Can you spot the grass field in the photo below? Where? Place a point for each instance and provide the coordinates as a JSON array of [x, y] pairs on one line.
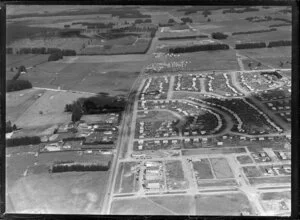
[[270, 180], [221, 168], [66, 193], [175, 176], [275, 195], [111, 77], [168, 205], [213, 151], [203, 169], [252, 171], [217, 183], [28, 60], [225, 204], [244, 159], [126, 182], [51, 104], [18, 102]]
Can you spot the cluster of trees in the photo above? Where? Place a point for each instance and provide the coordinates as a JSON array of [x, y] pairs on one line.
[[283, 19], [234, 10], [16, 85], [98, 142], [206, 13], [42, 50], [140, 21], [259, 19], [219, 35], [58, 168], [254, 32], [171, 20], [186, 20], [166, 25], [182, 37], [23, 141], [9, 127], [95, 25], [55, 56], [279, 25], [73, 139], [280, 43], [250, 45], [196, 48]]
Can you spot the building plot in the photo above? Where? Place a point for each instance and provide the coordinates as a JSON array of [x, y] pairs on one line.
[[127, 178], [175, 176], [224, 204], [221, 168], [188, 82], [247, 118], [261, 81], [221, 84], [142, 145], [202, 169], [276, 203], [156, 129], [155, 88], [194, 118]]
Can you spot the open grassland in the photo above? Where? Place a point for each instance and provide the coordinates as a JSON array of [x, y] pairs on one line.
[[270, 180], [217, 183], [225, 204], [275, 195], [48, 110], [201, 151], [27, 60], [19, 101], [111, 77], [164, 205], [221, 168], [64, 193]]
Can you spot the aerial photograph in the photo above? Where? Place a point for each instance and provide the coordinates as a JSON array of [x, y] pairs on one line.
[[148, 110]]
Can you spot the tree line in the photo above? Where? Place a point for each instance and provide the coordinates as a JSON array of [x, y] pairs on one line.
[[58, 168], [254, 32], [195, 48], [23, 141], [182, 37], [251, 45], [41, 50]]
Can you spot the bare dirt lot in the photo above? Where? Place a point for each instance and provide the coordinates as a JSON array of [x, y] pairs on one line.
[[227, 204]]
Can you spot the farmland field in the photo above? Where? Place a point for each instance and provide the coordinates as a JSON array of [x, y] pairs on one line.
[[275, 195], [46, 111], [89, 77], [203, 169], [178, 205], [221, 168], [28, 60], [225, 204]]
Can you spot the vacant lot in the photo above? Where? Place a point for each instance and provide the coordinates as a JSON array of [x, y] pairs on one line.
[[175, 176], [276, 195], [126, 179], [225, 204], [157, 115], [221, 168], [203, 169], [217, 183], [213, 151], [168, 205], [244, 159], [270, 180], [252, 171]]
